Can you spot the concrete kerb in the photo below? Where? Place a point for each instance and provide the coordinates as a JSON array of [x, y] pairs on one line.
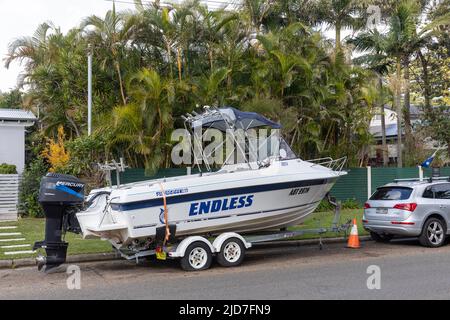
[[29, 262]]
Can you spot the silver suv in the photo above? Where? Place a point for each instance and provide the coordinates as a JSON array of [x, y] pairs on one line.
[[410, 208]]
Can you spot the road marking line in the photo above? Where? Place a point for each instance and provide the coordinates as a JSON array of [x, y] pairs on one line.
[[19, 252], [12, 240], [8, 228], [10, 234], [16, 246]]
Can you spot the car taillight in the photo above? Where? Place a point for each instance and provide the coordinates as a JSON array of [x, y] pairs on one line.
[[366, 205], [406, 206]]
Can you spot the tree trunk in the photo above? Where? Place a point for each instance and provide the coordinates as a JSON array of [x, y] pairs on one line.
[[408, 129], [77, 132], [383, 124], [179, 64], [398, 109], [169, 57], [338, 37], [211, 64], [426, 82], [122, 91]]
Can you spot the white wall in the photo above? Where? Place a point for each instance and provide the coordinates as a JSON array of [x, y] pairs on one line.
[[389, 116], [12, 145]]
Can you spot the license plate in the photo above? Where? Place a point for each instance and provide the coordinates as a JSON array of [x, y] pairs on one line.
[[382, 211]]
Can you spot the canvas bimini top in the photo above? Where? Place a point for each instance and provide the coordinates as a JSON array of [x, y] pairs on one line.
[[231, 118]]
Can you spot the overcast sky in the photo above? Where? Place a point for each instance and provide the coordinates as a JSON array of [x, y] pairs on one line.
[[21, 17]]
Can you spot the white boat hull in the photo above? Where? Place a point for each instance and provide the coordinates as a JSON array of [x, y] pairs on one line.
[[254, 200]]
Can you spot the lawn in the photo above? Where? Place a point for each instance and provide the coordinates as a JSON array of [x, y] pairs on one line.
[[33, 230], [325, 220]]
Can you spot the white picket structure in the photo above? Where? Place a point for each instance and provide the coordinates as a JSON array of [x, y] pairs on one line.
[[9, 196]]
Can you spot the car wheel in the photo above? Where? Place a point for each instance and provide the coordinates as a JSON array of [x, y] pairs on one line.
[[433, 233], [232, 253], [197, 257], [380, 237]]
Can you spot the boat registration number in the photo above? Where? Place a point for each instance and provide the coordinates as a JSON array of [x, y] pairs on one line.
[[299, 191]]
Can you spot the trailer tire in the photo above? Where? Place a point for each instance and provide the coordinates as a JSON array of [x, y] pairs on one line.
[[232, 253], [198, 256]]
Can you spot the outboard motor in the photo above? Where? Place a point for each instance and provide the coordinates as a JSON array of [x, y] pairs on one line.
[[60, 196]]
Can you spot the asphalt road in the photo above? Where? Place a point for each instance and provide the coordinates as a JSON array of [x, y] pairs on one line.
[[408, 271]]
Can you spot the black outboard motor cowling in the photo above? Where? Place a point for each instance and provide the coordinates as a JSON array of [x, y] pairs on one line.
[[60, 196]]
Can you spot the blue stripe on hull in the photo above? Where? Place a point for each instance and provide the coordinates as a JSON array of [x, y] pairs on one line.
[[219, 194], [233, 215]]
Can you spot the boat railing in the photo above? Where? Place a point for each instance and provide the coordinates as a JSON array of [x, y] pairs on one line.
[[330, 163]]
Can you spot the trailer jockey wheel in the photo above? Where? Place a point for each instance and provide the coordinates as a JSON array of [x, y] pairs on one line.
[[232, 253], [197, 257]]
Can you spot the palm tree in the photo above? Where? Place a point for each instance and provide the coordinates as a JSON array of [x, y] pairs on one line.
[[143, 124], [423, 37], [156, 27], [214, 30], [398, 44], [287, 64], [113, 33], [155, 96], [55, 75], [208, 87], [255, 12], [378, 61], [340, 14], [33, 51]]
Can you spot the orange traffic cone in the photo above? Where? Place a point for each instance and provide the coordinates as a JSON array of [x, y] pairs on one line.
[[353, 240]]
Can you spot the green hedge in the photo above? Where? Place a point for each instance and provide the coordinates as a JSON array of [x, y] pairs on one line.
[[29, 189], [7, 169]]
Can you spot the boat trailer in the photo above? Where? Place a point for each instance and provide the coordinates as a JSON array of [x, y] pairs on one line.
[[218, 245]]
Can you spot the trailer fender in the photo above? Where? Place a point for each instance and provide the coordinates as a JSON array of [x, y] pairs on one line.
[[181, 248], [218, 242]]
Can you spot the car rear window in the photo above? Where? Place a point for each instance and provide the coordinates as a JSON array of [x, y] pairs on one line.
[[392, 193]]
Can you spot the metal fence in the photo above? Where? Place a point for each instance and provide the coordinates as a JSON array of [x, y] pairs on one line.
[[9, 196], [357, 185]]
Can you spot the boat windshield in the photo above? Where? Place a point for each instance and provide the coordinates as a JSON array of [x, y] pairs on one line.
[[255, 140], [269, 147], [290, 154]]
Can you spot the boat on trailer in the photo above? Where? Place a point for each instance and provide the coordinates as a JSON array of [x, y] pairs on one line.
[[269, 192]]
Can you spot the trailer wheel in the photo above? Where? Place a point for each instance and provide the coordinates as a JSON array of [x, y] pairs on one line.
[[232, 253], [198, 257]]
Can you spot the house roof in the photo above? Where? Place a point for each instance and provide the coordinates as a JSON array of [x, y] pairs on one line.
[[16, 115], [391, 130]]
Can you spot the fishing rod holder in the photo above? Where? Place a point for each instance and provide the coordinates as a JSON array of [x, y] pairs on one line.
[[118, 167]]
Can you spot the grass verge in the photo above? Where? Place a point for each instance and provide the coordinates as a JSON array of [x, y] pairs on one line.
[[33, 230]]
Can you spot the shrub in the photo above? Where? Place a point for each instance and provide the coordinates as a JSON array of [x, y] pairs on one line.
[[55, 152], [85, 153], [7, 169], [351, 204], [324, 206], [29, 189], [346, 204]]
